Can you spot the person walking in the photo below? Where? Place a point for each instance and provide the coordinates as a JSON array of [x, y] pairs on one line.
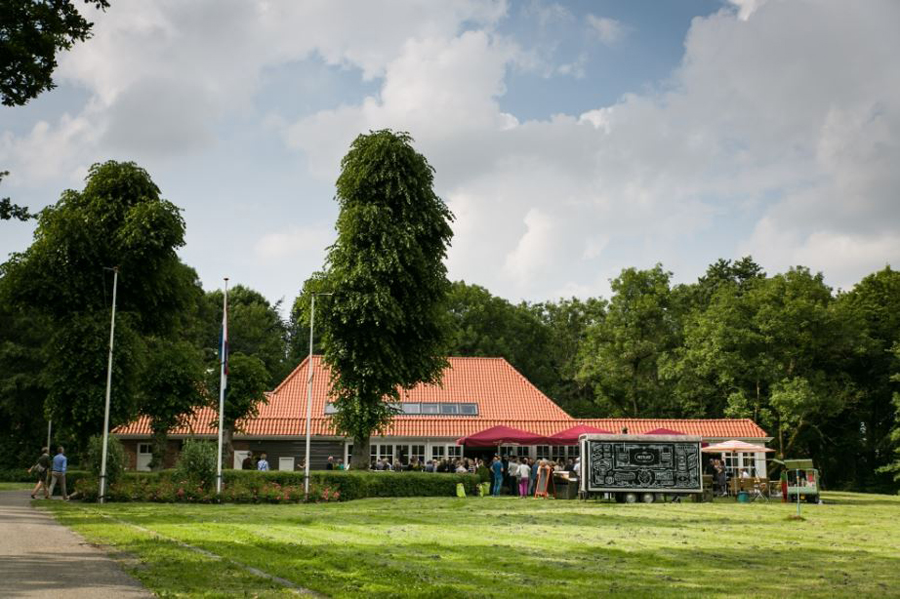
[[497, 472], [524, 478], [247, 464], [58, 473], [42, 469], [263, 464]]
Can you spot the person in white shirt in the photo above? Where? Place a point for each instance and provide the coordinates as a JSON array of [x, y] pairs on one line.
[[524, 478], [262, 464]]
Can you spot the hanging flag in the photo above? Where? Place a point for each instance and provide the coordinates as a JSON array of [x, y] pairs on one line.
[[223, 342]]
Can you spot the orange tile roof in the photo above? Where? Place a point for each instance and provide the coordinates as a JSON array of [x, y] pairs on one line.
[[503, 395]]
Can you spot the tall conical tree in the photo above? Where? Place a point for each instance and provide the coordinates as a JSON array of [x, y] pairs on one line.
[[386, 325]]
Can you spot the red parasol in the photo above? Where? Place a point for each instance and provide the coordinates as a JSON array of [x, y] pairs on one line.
[[570, 435], [502, 435]]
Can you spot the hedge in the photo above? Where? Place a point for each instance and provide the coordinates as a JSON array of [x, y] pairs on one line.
[[358, 485], [241, 486]]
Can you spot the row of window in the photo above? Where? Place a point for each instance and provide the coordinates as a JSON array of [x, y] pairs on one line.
[[426, 409], [405, 452]]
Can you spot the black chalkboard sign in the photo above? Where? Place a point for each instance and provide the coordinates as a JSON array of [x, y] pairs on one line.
[[654, 463]]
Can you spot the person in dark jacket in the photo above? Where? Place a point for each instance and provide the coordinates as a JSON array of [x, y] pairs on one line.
[[248, 464], [41, 469]]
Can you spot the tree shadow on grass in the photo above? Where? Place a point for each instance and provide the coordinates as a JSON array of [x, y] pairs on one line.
[[502, 570]]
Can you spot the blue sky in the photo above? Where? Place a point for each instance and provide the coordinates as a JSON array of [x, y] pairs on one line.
[[570, 139]]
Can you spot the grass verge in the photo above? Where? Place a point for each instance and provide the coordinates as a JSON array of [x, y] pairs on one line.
[[16, 486], [501, 547]]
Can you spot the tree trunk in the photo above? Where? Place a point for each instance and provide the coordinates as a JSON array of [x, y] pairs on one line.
[[160, 445], [227, 448], [756, 407], [360, 460]]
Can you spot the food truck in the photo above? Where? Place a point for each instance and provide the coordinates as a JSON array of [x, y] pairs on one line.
[[647, 468], [799, 480]]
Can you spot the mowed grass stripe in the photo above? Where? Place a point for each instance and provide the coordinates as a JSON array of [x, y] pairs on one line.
[[509, 547]]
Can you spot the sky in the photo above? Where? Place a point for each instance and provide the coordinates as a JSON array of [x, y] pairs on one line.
[[570, 140]]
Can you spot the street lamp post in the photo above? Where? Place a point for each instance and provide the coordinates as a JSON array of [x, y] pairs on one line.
[[112, 330], [309, 381]]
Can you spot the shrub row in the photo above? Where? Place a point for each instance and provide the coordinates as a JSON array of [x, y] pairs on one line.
[[166, 489], [240, 486], [358, 485]]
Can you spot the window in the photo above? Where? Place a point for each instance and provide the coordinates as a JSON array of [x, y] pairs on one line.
[[543, 452], [454, 451], [145, 448], [330, 409], [386, 452], [349, 453], [449, 408], [411, 408], [417, 452], [558, 452], [437, 452], [470, 409], [431, 408]]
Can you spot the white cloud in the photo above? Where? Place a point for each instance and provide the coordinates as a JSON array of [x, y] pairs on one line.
[[789, 117], [609, 31], [780, 126], [294, 242]]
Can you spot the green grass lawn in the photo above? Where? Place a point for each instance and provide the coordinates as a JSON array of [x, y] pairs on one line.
[[16, 486], [507, 547]]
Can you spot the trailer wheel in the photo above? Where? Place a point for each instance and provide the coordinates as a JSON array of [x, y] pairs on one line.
[[630, 498], [648, 497]]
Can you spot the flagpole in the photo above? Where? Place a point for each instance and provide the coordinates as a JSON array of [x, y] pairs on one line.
[[223, 358], [112, 329], [309, 382]]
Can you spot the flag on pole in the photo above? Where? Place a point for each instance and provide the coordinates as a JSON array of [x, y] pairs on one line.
[[223, 382], [223, 344]]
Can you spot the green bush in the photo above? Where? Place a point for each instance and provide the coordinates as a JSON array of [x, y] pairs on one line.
[[115, 457], [358, 485], [197, 463], [251, 486]]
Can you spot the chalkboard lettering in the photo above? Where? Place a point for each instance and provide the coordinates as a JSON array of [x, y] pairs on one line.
[[640, 463]]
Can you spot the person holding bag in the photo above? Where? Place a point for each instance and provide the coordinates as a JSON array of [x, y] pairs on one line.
[[42, 469]]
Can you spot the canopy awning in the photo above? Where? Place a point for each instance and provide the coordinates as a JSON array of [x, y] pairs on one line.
[[502, 435], [735, 446], [570, 435], [663, 431]]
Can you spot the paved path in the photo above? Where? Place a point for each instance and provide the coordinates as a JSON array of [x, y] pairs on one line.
[[42, 558]]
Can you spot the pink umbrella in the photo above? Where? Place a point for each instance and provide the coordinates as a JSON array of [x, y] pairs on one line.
[[570, 435], [502, 435]]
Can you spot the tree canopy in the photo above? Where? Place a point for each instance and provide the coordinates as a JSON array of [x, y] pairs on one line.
[[33, 32], [118, 220], [386, 324]]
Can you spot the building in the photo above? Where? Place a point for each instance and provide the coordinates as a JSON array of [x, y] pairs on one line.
[[475, 394]]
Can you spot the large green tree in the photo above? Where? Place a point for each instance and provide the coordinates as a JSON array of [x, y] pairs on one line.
[[483, 324], [248, 381], [620, 357], [118, 220], [568, 322], [386, 324], [32, 32], [255, 328], [871, 311], [171, 388]]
